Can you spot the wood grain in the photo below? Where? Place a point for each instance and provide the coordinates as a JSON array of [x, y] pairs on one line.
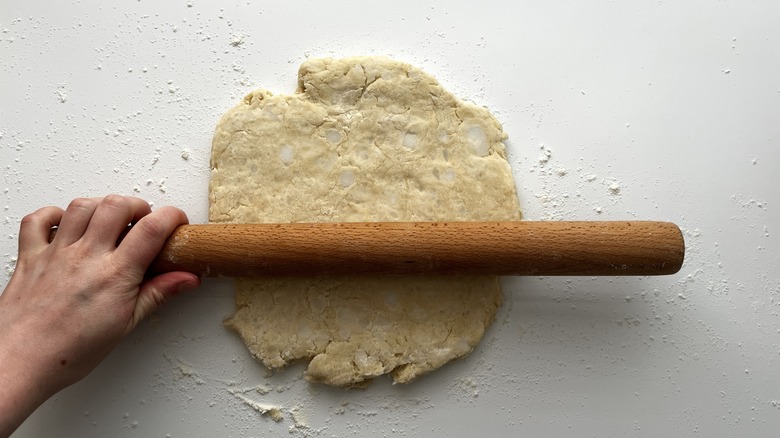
[[496, 248]]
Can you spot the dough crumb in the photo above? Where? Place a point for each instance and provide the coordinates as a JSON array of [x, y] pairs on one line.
[[262, 389]]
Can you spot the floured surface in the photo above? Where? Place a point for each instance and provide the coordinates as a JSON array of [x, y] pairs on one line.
[[705, 364], [363, 139]]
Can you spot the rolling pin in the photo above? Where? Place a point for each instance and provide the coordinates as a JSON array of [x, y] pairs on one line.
[[495, 248]]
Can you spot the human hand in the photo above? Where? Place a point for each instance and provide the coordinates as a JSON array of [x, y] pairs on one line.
[[69, 302]]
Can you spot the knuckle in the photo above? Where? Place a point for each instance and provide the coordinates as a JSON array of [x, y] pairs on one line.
[[114, 270], [41, 215], [30, 219], [82, 254], [175, 214], [153, 227], [115, 201], [81, 204]]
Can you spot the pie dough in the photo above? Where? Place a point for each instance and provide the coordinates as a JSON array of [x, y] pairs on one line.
[[362, 139]]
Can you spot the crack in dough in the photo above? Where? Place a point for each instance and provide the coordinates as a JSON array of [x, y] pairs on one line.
[[362, 139]]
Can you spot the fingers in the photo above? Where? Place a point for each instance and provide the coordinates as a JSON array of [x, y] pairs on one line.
[[158, 290], [147, 237], [35, 228], [75, 221], [111, 218]]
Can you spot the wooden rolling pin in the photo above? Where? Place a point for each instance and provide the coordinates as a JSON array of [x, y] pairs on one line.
[[496, 248]]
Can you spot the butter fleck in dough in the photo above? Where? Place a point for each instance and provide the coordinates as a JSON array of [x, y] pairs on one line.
[[362, 139]]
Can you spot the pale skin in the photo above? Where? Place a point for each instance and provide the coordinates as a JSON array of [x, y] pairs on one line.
[[71, 301]]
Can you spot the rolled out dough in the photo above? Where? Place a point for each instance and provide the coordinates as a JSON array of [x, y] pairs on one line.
[[362, 139]]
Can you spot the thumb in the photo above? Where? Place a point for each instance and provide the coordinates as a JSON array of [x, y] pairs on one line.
[[159, 289]]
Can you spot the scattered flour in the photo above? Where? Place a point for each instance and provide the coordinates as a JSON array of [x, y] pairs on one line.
[[747, 202], [172, 89], [236, 40], [61, 93], [465, 387], [273, 412], [544, 158], [299, 421], [10, 266]]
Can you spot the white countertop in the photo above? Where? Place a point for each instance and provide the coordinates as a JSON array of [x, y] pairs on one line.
[[615, 110]]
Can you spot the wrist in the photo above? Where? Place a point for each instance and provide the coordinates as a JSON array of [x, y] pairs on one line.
[[26, 381]]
